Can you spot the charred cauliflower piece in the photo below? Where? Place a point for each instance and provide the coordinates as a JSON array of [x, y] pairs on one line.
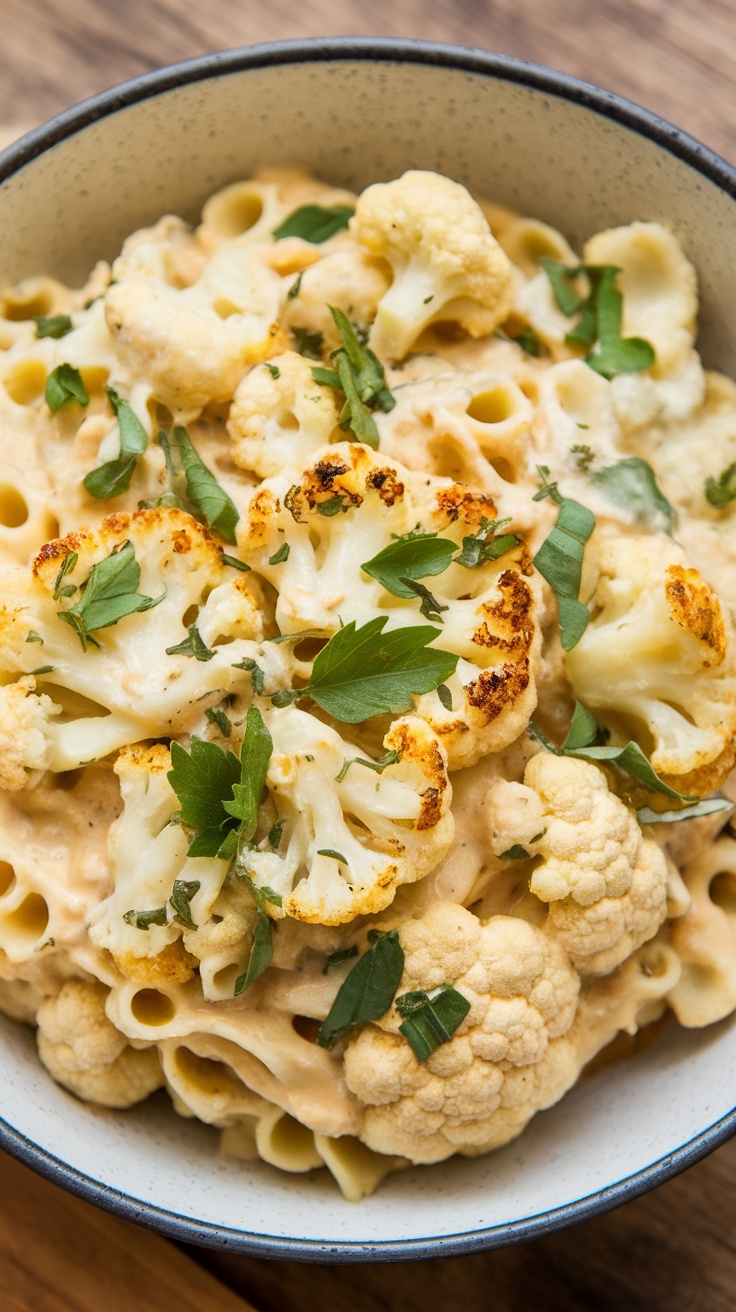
[[605, 883], [138, 690], [446, 262], [658, 654], [348, 843], [310, 539], [82, 1050], [509, 1058]]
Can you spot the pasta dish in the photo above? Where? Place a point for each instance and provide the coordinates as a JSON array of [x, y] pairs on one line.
[[367, 668]]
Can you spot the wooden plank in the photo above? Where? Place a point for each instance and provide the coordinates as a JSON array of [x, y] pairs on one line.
[[59, 1254]]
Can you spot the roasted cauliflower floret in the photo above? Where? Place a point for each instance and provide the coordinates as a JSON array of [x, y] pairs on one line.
[[24, 727], [311, 538], [280, 416], [192, 346], [658, 655], [445, 261], [82, 1049], [348, 843], [137, 689], [509, 1057], [606, 884]]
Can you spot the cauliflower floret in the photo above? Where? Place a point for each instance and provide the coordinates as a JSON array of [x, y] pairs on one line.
[[509, 1057], [192, 346], [82, 1050], [346, 508], [659, 654], [606, 884], [24, 726], [446, 262], [276, 422], [391, 828], [349, 279], [139, 690]]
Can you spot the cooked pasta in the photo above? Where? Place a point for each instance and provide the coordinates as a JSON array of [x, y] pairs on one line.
[[367, 668]]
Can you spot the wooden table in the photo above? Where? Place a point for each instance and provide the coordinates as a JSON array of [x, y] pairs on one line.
[[674, 1249]]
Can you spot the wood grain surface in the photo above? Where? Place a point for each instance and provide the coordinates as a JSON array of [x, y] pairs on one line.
[[673, 1249]]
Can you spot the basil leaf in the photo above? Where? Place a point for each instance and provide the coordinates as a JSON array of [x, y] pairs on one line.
[[64, 384], [191, 646], [144, 919], [181, 896], [216, 715], [217, 509], [646, 816], [368, 991], [53, 325], [722, 493], [431, 1019], [415, 558], [255, 754], [260, 954], [559, 560], [632, 484], [364, 672], [337, 958], [109, 594], [389, 758], [315, 223], [486, 544], [310, 345], [281, 555]]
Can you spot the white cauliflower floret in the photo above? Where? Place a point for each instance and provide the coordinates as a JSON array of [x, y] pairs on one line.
[[487, 614], [445, 260], [280, 416], [508, 1059], [192, 346], [138, 690], [84, 1051], [659, 654], [24, 725], [606, 884], [391, 828]]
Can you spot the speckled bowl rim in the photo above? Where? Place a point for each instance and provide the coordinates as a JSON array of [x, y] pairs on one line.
[[669, 138]]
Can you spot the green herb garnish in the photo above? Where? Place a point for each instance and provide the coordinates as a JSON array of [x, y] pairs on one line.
[[308, 344], [528, 341], [632, 484], [234, 563], [368, 991], [515, 853], [560, 558], [109, 594], [409, 558], [431, 1018], [273, 369], [709, 806], [144, 919], [32, 636], [216, 508], [389, 758], [275, 834], [584, 456], [281, 555], [722, 493], [216, 715], [257, 675], [262, 948], [359, 373], [192, 646], [486, 544], [53, 325], [601, 313], [181, 896], [364, 672], [315, 223], [64, 384], [113, 478]]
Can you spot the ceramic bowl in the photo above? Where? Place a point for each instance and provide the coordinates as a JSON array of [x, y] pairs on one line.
[[356, 112]]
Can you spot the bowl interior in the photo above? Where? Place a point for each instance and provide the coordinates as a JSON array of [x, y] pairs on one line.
[[581, 162]]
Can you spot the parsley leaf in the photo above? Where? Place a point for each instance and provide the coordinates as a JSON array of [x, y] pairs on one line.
[[431, 1018], [528, 341], [32, 636], [234, 563], [368, 991], [315, 223], [308, 344], [109, 594], [601, 314], [181, 896], [486, 544], [359, 373], [632, 484], [257, 674], [53, 325], [62, 589], [64, 384], [412, 558], [203, 780], [217, 509], [255, 755], [261, 953], [281, 555], [191, 646], [274, 835], [723, 492], [216, 715], [430, 608], [560, 558], [364, 672], [112, 478], [273, 369], [333, 506]]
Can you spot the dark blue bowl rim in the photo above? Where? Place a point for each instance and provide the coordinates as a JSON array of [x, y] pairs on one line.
[[709, 165]]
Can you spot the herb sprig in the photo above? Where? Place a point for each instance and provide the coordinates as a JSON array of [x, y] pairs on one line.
[[601, 314], [359, 374], [430, 1019], [108, 595], [64, 384]]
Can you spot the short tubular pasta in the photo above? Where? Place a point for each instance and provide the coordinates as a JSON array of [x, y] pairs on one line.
[[306, 814]]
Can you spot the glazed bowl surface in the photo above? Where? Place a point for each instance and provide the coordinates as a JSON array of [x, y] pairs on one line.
[[533, 140]]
